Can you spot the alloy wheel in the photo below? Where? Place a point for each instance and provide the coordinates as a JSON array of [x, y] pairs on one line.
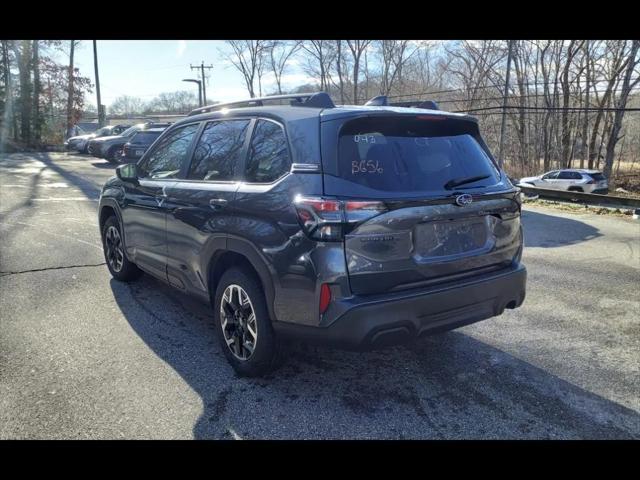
[[239, 325], [115, 254]]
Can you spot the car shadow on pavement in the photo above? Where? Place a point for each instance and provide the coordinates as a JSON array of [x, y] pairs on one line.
[[89, 188], [549, 231], [446, 386]]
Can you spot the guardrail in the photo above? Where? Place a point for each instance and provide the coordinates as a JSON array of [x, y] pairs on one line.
[[588, 198]]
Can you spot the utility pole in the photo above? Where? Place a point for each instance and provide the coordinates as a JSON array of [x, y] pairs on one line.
[[70, 92], [202, 66], [504, 103], [101, 118]]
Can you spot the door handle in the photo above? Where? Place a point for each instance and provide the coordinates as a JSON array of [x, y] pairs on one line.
[[217, 203]]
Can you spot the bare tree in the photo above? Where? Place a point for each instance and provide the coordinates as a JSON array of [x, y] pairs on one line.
[[393, 55], [320, 56], [127, 105], [248, 57], [280, 53], [629, 67], [357, 48]]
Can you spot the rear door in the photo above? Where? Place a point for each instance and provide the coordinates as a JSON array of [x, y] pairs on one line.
[[565, 180], [446, 214]]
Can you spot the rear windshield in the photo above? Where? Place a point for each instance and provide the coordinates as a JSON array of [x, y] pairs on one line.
[[597, 176], [415, 154], [145, 137]]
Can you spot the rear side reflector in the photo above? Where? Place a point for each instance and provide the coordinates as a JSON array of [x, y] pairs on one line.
[[325, 297]]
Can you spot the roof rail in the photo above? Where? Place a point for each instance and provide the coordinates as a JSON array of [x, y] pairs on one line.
[[314, 100], [383, 100]]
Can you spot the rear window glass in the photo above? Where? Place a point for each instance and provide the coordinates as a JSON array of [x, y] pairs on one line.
[[597, 176], [412, 155], [145, 137]]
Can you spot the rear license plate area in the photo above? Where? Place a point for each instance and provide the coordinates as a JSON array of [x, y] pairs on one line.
[[451, 239]]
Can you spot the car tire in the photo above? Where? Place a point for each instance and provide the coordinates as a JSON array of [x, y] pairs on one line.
[[114, 254], [238, 297], [112, 154]]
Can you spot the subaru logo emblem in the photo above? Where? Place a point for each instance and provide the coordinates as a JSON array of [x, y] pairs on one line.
[[463, 200]]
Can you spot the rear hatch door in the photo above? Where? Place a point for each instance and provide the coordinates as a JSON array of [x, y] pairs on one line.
[[448, 214]]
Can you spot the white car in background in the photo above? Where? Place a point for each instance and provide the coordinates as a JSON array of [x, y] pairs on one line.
[[571, 180]]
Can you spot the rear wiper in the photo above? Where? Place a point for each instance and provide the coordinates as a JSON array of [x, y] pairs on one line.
[[456, 182]]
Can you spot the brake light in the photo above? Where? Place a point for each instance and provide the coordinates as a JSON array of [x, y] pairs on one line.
[[328, 219], [430, 117], [325, 297], [591, 182]]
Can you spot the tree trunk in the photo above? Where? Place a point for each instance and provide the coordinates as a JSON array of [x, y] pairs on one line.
[[339, 70], [585, 125], [37, 120], [8, 120], [621, 105], [23, 58], [70, 91]]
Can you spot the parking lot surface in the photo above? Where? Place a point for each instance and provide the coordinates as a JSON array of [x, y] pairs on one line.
[[83, 356]]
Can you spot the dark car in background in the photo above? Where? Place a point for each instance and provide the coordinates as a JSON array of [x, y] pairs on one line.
[[135, 148], [359, 226], [110, 148]]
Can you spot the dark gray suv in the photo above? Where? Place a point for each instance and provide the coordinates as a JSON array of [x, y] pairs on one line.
[[358, 226]]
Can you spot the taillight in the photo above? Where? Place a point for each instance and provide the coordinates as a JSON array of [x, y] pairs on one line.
[[325, 297], [329, 219], [431, 117], [591, 181]]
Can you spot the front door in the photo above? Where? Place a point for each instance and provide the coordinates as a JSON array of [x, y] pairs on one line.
[[144, 213]]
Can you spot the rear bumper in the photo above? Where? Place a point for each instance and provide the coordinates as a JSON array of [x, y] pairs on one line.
[[398, 318]]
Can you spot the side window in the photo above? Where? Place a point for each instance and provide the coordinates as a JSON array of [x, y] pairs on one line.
[[576, 176], [550, 176], [167, 158], [565, 176], [218, 150], [268, 153]]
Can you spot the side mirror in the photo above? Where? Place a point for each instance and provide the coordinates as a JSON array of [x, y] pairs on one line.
[[128, 173]]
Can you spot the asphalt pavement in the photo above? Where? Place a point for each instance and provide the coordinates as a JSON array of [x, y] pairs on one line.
[[84, 356]]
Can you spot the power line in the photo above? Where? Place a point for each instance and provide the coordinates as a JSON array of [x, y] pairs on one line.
[[486, 87], [532, 95], [559, 109]]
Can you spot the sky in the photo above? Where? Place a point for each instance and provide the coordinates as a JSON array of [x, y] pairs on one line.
[[146, 68]]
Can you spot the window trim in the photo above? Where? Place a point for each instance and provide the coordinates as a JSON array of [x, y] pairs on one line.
[[243, 170], [156, 144]]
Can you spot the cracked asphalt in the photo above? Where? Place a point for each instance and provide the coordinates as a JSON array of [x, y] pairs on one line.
[[83, 356]]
